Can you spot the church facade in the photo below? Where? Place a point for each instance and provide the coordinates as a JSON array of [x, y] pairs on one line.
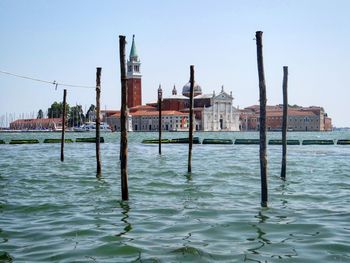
[[212, 112], [221, 115]]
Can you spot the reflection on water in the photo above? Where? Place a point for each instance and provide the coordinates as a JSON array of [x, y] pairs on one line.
[[261, 249], [5, 257], [261, 240], [283, 189], [124, 205]]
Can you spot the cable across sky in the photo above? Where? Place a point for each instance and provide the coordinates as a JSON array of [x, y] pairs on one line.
[[46, 81]]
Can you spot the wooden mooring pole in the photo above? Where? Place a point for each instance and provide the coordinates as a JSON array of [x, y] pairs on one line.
[[63, 123], [190, 134], [284, 122], [123, 119], [262, 89], [160, 95], [98, 93]]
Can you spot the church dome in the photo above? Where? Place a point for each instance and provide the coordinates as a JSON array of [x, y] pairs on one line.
[[197, 90]]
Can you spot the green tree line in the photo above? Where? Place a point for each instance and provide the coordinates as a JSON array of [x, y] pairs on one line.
[[75, 114]]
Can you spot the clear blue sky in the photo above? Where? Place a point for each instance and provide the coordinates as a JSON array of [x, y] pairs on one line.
[[66, 40]]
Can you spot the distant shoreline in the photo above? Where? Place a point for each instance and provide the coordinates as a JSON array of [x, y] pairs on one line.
[[71, 131]]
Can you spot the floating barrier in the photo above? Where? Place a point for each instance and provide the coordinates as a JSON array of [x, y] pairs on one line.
[[178, 140], [217, 141], [155, 141], [247, 141], [279, 142], [318, 142], [57, 140], [93, 139], [343, 142], [185, 140], [23, 141], [196, 140]]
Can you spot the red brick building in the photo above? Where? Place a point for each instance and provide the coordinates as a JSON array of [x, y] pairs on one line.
[[37, 124], [175, 102], [328, 124], [134, 77], [299, 118]]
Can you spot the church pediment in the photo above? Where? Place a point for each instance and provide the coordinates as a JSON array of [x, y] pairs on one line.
[[223, 96]]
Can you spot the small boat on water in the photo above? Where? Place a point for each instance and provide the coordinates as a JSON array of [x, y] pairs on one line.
[[91, 126]]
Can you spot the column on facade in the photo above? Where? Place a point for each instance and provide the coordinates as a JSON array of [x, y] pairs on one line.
[[217, 116], [231, 117], [213, 117], [227, 116]]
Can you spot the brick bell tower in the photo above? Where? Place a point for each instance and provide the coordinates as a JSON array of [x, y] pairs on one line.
[[134, 77]]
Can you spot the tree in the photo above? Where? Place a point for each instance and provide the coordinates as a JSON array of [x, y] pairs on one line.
[[56, 110], [76, 116], [91, 113], [40, 114]]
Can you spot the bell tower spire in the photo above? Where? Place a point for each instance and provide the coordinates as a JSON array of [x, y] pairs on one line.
[[133, 53], [134, 77], [174, 92]]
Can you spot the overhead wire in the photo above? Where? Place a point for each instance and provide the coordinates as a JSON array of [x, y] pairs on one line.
[[55, 83]]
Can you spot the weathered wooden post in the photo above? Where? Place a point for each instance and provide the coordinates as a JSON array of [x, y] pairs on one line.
[[190, 134], [160, 94], [284, 122], [123, 119], [63, 123], [98, 93], [262, 88]]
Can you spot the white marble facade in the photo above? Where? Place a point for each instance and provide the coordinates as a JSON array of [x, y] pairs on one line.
[[221, 115]]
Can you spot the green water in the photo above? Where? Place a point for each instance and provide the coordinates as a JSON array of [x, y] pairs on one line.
[[59, 212]]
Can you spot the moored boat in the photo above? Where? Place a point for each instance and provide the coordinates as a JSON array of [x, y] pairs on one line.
[[91, 126]]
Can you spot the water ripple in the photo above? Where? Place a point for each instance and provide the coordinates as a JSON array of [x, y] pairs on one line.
[[59, 212]]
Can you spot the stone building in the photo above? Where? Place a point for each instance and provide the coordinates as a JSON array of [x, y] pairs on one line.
[[220, 115], [149, 121], [114, 122], [299, 118], [212, 112]]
